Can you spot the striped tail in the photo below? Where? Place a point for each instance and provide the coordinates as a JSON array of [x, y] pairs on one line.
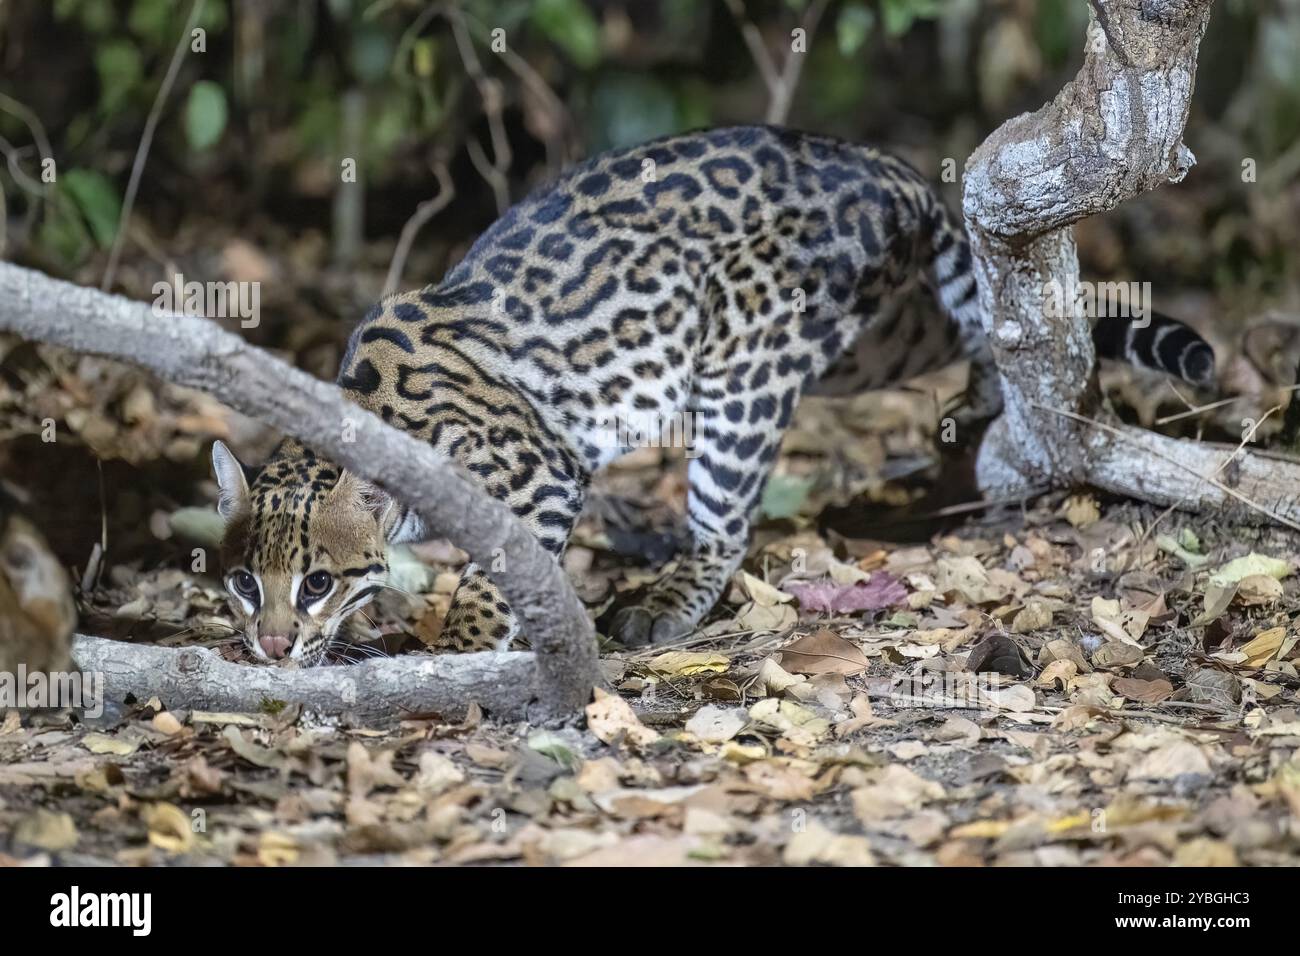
[[1160, 343]]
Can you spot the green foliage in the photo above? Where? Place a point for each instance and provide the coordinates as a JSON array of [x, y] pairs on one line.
[[853, 26], [205, 114], [683, 65], [570, 26], [97, 200], [899, 15], [120, 71]]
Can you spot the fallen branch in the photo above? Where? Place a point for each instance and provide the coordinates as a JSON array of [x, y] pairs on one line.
[[199, 354], [502, 683], [1114, 132], [1262, 488]]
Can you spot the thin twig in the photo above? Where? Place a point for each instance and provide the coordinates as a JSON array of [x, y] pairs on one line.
[[33, 123], [1194, 410], [557, 147], [423, 213], [781, 83], [146, 140], [489, 90]]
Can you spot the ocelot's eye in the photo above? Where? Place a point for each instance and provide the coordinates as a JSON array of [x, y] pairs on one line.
[[316, 584], [245, 585]]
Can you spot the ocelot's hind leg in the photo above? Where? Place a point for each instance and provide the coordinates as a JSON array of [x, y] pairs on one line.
[[727, 475]]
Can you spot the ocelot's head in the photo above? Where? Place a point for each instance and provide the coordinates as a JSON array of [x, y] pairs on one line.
[[303, 548]]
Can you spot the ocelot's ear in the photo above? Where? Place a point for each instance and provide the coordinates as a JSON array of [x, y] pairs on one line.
[[374, 499], [231, 480]]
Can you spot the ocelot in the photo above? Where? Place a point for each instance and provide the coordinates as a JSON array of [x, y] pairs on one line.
[[719, 275]]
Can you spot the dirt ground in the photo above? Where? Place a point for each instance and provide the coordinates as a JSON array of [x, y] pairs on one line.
[[893, 679]]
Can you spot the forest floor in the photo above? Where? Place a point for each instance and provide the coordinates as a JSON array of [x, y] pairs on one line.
[[1065, 682], [896, 677]]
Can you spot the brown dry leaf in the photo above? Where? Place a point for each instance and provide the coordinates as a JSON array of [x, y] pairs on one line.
[[1143, 691], [366, 769], [762, 593], [637, 804], [277, 849], [1032, 617], [645, 849], [436, 774], [860, 707], [823, 652], [486, 756], [774, 617], [104, 744], [816, 844], [1056, 671], [1209, 685], [612, 719], [966, 578], [1018, 698], [896, 792], [960, 729], [1287, 782], [253, 753], [1116, 654], [717, 725], [1204, 851], [1258, 589], [782, 778], [1064, 649], [773, 679], [1171, 760], [1076, 717], [166, 722], [46, 830], [999, 654], [793, 721], [1123, 626], [201, 779]]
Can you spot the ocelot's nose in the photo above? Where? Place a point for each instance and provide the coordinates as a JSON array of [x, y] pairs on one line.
[[275, 645]]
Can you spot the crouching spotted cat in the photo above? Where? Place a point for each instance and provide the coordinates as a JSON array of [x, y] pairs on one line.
[[720, 275]]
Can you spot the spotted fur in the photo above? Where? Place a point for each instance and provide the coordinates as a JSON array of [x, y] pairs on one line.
[[720, 274]]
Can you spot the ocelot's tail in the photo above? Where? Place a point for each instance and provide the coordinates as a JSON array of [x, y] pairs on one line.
[[1159, 343], [1156, 342]]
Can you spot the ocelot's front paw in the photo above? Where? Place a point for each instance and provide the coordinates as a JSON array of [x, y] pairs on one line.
[[637, 619]]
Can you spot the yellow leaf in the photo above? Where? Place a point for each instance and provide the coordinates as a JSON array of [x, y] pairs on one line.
[[686, 663], [104, 744], [1081, 510], [169, 827], [1262, 648], [1238, 568], [980, 830]]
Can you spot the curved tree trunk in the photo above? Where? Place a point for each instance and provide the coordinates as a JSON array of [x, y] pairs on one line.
[[1114, 132]]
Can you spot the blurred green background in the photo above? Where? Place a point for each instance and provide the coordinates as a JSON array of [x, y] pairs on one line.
[[243, 174]]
